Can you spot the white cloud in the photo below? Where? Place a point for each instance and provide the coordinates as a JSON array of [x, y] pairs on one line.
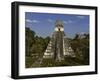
[[27, 20], [81, 17], [35, 21], [32, 21], [68, 22], [50, 20], [65, 22]]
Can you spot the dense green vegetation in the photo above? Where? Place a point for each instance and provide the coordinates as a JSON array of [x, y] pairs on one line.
[[35, 47], [81, 48]]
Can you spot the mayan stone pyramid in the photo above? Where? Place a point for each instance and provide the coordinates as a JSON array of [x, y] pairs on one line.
[[58, 47]]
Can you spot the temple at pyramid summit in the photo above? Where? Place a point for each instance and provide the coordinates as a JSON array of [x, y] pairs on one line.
[[58, 47]]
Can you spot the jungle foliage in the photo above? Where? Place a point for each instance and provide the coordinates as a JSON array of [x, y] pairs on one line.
[[36, 45]]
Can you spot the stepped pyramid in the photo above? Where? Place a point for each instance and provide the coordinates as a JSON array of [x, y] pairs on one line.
[[59, 46]]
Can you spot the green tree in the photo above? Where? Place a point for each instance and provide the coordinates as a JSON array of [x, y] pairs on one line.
[[34, 46], [29, 40], [80, 46]]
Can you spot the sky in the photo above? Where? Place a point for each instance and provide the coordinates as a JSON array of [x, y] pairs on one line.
[[44, 23]]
